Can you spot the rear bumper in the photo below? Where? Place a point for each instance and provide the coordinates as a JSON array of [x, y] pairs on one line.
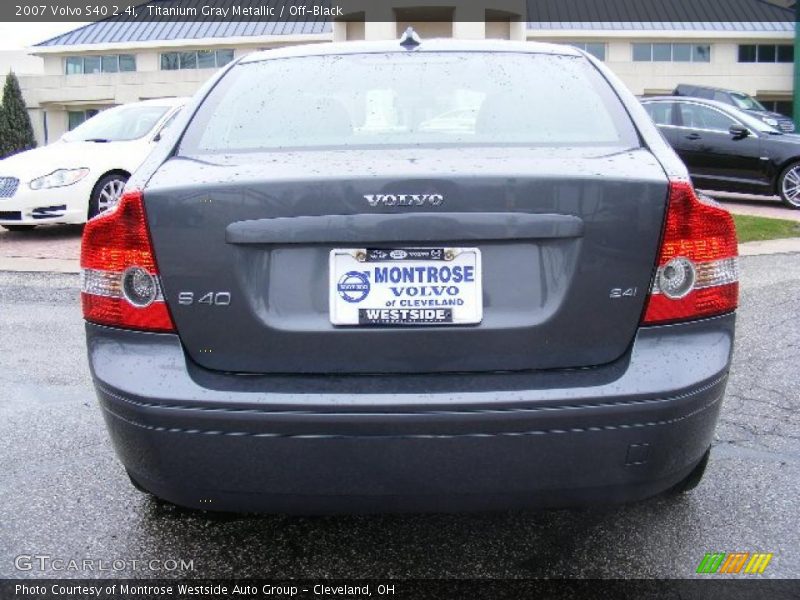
[[311, 444]]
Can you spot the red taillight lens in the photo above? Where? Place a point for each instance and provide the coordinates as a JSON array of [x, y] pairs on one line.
[[120, 284], [697, 272]]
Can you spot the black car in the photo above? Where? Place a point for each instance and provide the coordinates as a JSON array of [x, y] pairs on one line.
[[738, 100], [728, 150], [411, 276]]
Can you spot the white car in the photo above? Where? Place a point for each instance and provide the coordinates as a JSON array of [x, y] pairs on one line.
[[83, 173]]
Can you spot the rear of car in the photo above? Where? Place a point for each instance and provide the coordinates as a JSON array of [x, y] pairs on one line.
[[326, 293]]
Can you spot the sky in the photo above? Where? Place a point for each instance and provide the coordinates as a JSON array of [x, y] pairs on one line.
[[18, 36]]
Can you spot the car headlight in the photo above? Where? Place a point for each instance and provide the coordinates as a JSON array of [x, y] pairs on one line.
[[770, 121], [58, 178]]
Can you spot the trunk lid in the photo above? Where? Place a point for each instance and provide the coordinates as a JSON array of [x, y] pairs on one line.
[[568, 239]]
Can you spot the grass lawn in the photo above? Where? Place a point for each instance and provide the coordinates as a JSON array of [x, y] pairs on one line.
[[750, 229]]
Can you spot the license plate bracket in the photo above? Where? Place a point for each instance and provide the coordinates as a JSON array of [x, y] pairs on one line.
[[390, 287]]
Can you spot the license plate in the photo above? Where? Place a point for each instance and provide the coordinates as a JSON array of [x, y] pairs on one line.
[[405, 286]]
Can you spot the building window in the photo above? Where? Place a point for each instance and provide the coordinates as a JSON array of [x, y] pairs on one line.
[[665, 52], [701, 53], [780, 106], [127, 62], [681, 53], [74, 65], [108, 63], [92, 65], [766, 53], [76, 117], [195, 59], [224, 57], [169, 61], [642, 52], [187, 60], [662, 52], [206, 59], [596, 49], [785, 54]]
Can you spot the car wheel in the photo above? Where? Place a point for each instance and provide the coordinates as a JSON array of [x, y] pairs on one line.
[[692, 480], [106, 193], [789, 186], [18, 227]]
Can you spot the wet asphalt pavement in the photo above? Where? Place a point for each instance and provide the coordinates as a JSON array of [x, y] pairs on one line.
[[64, 495]]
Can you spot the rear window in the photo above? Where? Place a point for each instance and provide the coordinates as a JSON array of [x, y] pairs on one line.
[[418, 99]]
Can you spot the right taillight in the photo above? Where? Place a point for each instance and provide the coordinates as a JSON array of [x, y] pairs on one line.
[[697, 273]]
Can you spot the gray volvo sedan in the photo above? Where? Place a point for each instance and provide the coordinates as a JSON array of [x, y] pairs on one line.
[[411, 276]]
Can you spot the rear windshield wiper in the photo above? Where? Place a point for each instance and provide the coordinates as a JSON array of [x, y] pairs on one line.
[[98, 140]]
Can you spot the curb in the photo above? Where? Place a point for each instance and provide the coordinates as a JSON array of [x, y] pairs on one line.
[[39, 265], [781, 246]]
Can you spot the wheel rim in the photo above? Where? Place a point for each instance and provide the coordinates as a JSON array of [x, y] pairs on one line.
[[791, 186], [111, 192]]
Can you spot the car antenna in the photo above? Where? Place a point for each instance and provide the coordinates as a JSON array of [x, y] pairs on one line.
[[410, 40]]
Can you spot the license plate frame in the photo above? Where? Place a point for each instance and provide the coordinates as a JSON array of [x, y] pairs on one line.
[[405, 287]]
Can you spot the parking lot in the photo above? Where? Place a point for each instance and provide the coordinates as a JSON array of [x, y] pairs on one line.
[[64, 495]]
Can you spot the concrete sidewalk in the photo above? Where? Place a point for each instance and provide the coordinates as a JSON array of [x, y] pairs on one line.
[[53, 248]]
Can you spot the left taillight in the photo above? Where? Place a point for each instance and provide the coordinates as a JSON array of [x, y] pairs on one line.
[[120, 285]]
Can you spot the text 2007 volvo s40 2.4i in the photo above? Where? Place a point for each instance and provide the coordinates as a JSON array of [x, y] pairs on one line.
[[323, 293]]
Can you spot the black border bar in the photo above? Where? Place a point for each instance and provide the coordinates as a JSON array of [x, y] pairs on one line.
[[712, 587], [537, 12]]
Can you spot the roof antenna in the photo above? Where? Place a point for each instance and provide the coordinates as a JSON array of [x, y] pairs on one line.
[[410, 40]]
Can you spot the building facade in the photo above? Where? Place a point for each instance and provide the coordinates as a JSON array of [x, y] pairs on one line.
[[113, 62], [755, 58]]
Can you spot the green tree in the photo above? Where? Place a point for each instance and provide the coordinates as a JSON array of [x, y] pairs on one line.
[[3, 136], [16, 131]]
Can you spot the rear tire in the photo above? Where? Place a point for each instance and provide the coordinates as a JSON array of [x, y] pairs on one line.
[[692, 480], [106, 193], [18, 227], [789, 186]]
